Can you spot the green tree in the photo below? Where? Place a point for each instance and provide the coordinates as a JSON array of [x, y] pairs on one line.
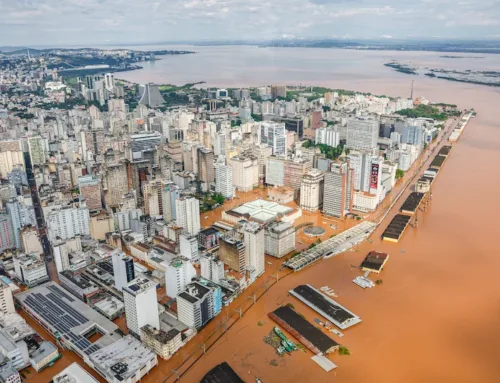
[[399, 174]]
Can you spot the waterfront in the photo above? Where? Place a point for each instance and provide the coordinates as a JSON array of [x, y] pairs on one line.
[[431, 320]]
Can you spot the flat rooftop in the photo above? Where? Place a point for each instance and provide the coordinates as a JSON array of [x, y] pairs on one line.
[[374, 261], [438, 161], [445, 150], [122, 359], [412, 202], [68, 317], [395, 229], [325, 306], [312, 337], [221, 373], [74, 373]]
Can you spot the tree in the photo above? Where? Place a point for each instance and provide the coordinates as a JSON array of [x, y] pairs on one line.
[[399, 174]]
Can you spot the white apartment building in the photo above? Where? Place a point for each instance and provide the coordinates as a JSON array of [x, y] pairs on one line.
[[123, 269], [178, 275], [275, 171], [224, 180], [212, 268], [328, 136], [311, 190], [61, 256], [253, 238], [367, 170], [188, 245], [273, 134], [279, 239], [6, 299], [30, 270], [362, 134], [245, 172], [188, 214], [36, 147], [141, 305], [198, 304], [68, 222], [337, 195]]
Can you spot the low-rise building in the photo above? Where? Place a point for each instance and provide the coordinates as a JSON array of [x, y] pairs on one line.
[[163, 343], [74, 373]]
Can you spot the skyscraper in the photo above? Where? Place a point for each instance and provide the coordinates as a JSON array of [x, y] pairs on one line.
[[224, 180], [109, 81], [36, 147], [253, 237], [245, 172], [311, 190], [178, 275], [274, 135], [206, 166], [362, 134], [141, 305], [338, 190], [90, 188], [123, 269], [329, 136], [232, 253], [188, 214], [170, 194], [7, 237]]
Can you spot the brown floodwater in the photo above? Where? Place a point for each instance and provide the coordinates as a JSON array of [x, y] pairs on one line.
[[436, 316]]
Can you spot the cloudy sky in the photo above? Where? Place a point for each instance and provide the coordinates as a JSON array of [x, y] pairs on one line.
[[67, 22]]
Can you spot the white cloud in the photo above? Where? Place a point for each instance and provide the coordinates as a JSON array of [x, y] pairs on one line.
[[47, 21]]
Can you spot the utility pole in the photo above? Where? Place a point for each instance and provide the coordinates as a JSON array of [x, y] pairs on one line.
[[411, 94]]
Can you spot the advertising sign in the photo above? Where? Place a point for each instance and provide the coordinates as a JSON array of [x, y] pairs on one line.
[[374, 176]]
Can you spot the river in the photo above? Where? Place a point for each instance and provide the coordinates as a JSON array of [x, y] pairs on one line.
[[436, 316]]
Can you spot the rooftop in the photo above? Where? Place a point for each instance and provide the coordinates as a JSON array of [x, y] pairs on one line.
[[138, 285], [74, 373], [221, 373], [160, 336], [261, 211], [122, 359], [374, 261], [68, 317]]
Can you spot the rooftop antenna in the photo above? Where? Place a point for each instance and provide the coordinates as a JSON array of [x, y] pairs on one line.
[[411, 94], [29, 57]]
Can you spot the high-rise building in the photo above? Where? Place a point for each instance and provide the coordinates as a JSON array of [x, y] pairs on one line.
[[188, 214], [413, 135], [92, 141], [30, 270], [253, 238], [262, 152], [188, 246], [232, 253], [275, 171], [36, 147], [362, 134], [294, 172], [141, 305], [170, 194], [279, 239], [245, 172], [6, 300], [109, 81], [68, 222], [311, 190], [206, 172], [273, 134], [211, 267], [152, 192], [329, 136], [21, 215], [367, 171], [338, 193], [316, 119], [123, 269], [7, 237], [198, 304], [178, 274], [224, 180], [278, 91], [90, 188], [61, 255], [115, 184]]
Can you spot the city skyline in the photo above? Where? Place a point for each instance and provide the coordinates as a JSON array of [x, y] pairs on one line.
[[104, 22]]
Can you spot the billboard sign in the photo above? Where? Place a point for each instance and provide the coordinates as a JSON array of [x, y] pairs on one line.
[[374, 176]]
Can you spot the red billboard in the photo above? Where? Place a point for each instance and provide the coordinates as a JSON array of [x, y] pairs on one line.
[[374, 176]]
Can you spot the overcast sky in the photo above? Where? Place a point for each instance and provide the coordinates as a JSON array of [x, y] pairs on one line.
[[67, 22]]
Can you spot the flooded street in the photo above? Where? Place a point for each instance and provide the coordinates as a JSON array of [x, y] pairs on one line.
[[435, 317]]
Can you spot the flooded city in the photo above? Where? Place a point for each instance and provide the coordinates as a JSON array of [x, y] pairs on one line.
[[435, 316]]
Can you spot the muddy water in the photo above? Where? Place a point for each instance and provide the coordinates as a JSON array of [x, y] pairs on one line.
[[435, 317]]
